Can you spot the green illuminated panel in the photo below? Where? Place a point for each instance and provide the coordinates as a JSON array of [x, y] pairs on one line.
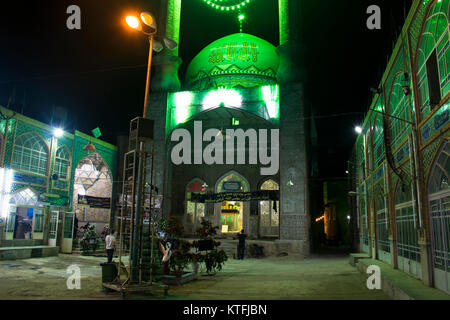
[[263, 102]]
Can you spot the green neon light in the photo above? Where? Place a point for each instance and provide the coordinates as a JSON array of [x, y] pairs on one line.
[[222, 97], [271, 95], [182, 102], [227, 5]]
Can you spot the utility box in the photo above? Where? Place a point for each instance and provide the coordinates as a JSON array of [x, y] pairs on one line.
[[109, 272], [141, 129]]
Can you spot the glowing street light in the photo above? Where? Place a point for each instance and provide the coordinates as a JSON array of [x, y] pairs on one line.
[[58, 132], [133, 22], [149, 28], [358, 130]]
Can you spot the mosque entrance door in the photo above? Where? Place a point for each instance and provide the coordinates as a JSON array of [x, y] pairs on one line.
[[232, 215]]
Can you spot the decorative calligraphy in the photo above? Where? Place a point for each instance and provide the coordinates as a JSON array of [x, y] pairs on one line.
[[233, 52]]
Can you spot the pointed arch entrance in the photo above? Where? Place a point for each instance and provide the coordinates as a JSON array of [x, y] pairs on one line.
[[232, 216], [92, 191], [195, 211], [269, 225], [439, 204]]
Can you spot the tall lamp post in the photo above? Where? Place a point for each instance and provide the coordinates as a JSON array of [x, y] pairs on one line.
[[148, 27]]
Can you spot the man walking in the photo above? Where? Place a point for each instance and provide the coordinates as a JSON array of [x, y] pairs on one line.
[[110, 243], [241, 245]]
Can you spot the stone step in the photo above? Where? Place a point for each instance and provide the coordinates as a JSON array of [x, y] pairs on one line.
[[13, 253]]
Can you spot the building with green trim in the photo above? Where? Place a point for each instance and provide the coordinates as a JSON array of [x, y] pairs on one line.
[[49, 175], [401, 160], [237, 82]]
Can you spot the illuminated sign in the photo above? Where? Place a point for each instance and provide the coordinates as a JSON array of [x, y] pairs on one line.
[[6, 177]]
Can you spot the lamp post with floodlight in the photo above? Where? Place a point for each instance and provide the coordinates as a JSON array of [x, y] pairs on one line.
[[147, 25], [148, 28]]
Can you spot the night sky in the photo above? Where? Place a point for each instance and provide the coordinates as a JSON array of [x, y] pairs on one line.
[[98, 73]]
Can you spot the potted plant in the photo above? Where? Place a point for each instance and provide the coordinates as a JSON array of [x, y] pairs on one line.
[[213, 257], [180, 257], [90, 239]]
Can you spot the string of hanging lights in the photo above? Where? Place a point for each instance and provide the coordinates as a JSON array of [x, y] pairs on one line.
[[227, 5]]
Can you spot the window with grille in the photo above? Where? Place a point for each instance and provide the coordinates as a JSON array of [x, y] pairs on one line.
[[30, 154], [440, 209], [62, 163], [269, 211], [400, 108], [434, 57], [364, 228], [194, 211], [405, 219], [25, 197], [38, 221], [379, 141], [382, 225]]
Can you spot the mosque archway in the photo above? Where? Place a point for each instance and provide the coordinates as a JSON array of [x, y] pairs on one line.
[[232, 216], [269, 212], [92, 191]]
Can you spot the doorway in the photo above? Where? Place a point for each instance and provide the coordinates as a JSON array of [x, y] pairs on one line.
[[26, 218], [232, 216], [269, 224]]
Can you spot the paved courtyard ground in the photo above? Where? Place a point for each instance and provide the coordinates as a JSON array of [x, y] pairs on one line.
[[288, 278]]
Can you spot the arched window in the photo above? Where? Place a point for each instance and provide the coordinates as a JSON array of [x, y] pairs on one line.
[[433, 61], [269, 212], [62, 162], [399, 108], [92, 178], [30, 154], [195, 211], [24, 197], [379, 153], [439, 179], [439, 197]]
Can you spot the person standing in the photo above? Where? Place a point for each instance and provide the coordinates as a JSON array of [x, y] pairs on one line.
[[241, 245], [110, 243]]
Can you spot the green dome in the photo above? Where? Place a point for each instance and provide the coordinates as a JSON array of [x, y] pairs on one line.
[[239, 59]]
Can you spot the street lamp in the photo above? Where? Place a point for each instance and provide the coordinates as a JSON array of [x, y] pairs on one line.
[[358, 130], [58, 132], [148, 27]]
